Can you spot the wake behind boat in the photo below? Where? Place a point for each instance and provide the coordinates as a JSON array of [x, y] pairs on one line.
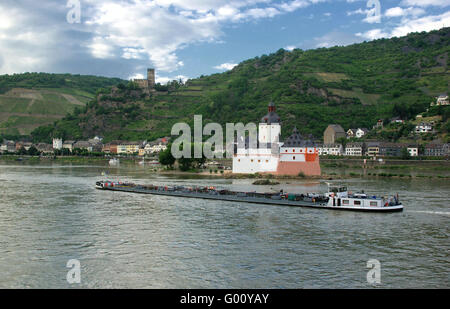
[[337, 197]]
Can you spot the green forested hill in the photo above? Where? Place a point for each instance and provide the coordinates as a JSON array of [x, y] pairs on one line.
[[30, 100], [353, 86]]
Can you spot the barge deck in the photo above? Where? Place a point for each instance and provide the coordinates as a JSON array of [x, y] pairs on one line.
[[242, 198]]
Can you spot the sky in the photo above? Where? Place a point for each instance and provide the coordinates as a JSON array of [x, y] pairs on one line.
[[184, 39]]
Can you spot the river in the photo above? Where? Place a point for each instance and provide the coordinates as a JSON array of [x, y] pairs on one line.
[[50, 214]]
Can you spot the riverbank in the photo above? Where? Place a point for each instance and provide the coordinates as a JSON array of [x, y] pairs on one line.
[[332, 169]]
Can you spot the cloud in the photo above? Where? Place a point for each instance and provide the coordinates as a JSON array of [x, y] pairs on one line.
[[161, 28], [371, 15], [335, 38], [164, 79], [427, 23], [425, 3], [26, 41], [401, 12], [226, 66], [125, 34]]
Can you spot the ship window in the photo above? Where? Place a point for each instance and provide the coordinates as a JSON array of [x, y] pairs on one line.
[[294, 157], [345, 202], [252, 160], [357, 203], [239, 160], [373, 204], [259, 161], [267, 161]]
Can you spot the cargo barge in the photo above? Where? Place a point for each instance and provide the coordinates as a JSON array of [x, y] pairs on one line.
[[337, 197]]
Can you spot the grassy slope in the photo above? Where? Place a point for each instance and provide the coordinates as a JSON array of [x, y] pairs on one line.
[[353, 86], [30, 100]]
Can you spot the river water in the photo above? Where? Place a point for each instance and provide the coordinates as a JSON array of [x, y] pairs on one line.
[[50, 214]]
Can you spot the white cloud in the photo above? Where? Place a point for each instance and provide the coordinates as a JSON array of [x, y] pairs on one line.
[[34, 36], [164, 79], [335, 38], [427, 23], [157, 29], [425, 3], [401, 12], [373, 34], [100, 48], [25, 44], [226, 66], [136, 76]]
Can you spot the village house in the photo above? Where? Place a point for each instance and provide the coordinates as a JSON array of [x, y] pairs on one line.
[[442, 100], [106, 148], [142, 150], [156, 146], [8, 146], [44, 148], [83, 145], [330, 150], [413, 150], [373, 149], [379, 125], [354, 149], [424, 127], [397, 120], [96, 140], [333, 133], [68, 145], [96, 143], [361, 132], [57, 143], [437, 150], [125, 148], [24, 145], [351, 133], [111, 147], [357, 133], [391, 149]]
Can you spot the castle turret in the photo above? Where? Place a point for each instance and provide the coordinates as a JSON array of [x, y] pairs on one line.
[[151, 78], [270, 126]]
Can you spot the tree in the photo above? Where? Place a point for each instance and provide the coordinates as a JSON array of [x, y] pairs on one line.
[[405, 154], [343, 141], [166, 158], [22, 151], [33, 151]]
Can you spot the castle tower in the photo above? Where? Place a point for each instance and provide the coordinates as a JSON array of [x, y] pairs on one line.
[[270, 127], [151, 78]]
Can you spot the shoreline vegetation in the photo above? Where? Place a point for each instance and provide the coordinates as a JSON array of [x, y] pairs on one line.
[[332, 169]]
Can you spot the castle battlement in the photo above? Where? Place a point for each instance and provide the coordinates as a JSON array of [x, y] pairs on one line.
[[147, 84]]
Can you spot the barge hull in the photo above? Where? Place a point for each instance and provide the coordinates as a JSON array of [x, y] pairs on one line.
[[251, 200]]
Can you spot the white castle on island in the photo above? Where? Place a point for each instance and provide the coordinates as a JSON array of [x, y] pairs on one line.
[[293, 157]]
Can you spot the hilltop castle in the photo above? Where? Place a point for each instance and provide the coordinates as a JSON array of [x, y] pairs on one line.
[[148, 84]]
